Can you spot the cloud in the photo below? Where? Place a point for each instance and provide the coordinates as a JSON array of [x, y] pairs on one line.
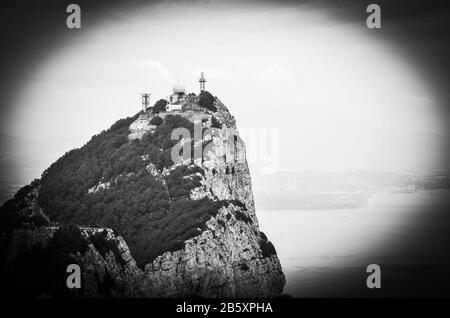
[[276, 72], [211, 72], [157, 67]]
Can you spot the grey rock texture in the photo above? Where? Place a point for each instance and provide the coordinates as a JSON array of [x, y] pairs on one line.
[[226, 260], [229, 258]]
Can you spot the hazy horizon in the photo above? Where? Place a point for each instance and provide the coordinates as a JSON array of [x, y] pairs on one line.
[[337, 95]]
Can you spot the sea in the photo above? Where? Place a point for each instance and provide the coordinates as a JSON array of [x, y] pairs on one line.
[[325, 253]]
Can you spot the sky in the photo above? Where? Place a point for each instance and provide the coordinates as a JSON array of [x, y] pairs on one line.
[[311, 87]]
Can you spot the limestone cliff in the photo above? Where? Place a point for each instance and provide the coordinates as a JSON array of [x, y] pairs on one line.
[[225, 261], [222, 254], [228, 259]]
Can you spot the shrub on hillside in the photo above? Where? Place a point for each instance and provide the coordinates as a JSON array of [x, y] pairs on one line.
[[206, 100], [236, 203], [156, 121], [266, 246], [160, 106], [182, 180], [68, 239], [215, 123], [243, 217]]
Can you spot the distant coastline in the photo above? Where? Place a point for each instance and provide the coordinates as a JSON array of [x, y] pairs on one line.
[[306, 191]]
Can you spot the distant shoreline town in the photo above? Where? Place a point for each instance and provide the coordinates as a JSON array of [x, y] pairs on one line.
[[337, 190]]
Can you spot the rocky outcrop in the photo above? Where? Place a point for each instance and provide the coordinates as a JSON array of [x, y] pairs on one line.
[[118, 268], [227, 257], [224, 261]]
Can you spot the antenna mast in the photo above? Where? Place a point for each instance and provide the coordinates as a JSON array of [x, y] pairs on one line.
[[202, 82], [145, 101]]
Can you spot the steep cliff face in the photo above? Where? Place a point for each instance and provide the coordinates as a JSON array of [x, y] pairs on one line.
[[227, 260], [231, 258], [195, 232]]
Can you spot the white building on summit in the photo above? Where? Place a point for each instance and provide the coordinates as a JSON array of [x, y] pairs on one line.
[[176, 100]]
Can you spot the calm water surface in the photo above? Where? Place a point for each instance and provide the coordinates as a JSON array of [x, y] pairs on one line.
[[325, 253]]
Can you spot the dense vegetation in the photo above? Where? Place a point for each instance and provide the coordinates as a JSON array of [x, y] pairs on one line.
[[10, 218], [156, 121], [206, 100], [153, 215], [160, 106], [68, 240], [215, 123], [266, 246]]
